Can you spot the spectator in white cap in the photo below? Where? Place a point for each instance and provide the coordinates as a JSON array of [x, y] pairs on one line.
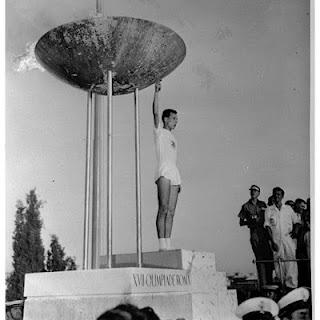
[[295, 305], [259, 308], [252, 216]]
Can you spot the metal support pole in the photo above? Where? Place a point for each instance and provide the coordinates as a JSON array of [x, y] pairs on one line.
[[138, 183], [97, 180], [99, 183], [88, 181], [109, 196], [99, 6]]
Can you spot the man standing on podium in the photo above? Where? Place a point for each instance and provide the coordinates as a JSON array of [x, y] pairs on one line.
[[167, 176]]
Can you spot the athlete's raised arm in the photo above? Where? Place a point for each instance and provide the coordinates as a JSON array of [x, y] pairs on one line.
[[155, 105]]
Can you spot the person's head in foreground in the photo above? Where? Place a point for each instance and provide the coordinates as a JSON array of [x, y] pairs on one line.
[[169, 119], [295, 305], [259, 308], [129, 312]]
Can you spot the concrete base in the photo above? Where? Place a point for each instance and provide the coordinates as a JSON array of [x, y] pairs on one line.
[[167, 306], [190, 289]]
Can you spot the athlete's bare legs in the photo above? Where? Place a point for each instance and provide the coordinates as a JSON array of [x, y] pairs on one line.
[[167, 199], [174, 191], [163, 185]]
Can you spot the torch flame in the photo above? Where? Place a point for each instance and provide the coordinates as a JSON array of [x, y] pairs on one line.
[[28, 60]]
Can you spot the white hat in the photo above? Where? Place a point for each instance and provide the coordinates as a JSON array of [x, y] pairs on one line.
[[250, 308], [294, 300]]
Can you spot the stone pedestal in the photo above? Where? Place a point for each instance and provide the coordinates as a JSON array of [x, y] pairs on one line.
[[210, 297], [177, 284], [171, 259]]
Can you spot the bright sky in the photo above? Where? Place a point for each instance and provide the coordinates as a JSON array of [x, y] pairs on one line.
[[242, 94]]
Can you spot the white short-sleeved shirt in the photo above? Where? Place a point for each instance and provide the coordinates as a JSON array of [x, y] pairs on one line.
[[280, 221], [166, 154]]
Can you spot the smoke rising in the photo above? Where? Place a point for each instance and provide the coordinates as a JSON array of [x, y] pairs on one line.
[[28, 60]]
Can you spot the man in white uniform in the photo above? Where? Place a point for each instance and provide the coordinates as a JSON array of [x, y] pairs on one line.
[[280, 222], [167, 175]]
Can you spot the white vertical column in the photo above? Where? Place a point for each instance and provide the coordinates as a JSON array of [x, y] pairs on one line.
[[109, 197], [138, 178], [102, 174], [88, 182], [99, 6], [99, 174]]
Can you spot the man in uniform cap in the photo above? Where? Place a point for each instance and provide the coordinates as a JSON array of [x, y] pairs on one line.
[[252, 215], [295, 305], [259, 308]]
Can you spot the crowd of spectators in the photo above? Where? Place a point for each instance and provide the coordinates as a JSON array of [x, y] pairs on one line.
[[295, 305], [279, 237], [280, 240]]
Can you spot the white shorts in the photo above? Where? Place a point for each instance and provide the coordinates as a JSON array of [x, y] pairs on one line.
[[170, 172]]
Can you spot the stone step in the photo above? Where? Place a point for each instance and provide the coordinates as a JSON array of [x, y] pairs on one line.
[[227, 304], [219, 304], [106, 281], [185, 285], [170, 259]]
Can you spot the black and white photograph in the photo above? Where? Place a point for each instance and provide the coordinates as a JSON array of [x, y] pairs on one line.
[[159, 160]]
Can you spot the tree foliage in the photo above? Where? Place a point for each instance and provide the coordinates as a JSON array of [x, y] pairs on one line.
[[28, 250], [56, 260]]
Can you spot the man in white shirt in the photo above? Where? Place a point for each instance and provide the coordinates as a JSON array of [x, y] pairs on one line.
[[167, 176], [281, 223]]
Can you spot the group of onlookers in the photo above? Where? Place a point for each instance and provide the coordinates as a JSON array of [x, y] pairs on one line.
[[303, 252], [280, 238], [295, 305]]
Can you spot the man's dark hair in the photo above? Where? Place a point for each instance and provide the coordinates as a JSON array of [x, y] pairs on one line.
[[166, 113], [120, 311], [149, 313], [298, 201], [274, 190], [270, 201], [290, 203]]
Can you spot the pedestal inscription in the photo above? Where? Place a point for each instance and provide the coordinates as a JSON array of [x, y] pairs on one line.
[[161, 280]]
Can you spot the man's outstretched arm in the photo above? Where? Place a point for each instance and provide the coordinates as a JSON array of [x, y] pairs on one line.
[[155, 105]]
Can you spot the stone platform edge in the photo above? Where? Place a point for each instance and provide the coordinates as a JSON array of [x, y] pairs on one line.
[[180, 259], [116, 281]]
